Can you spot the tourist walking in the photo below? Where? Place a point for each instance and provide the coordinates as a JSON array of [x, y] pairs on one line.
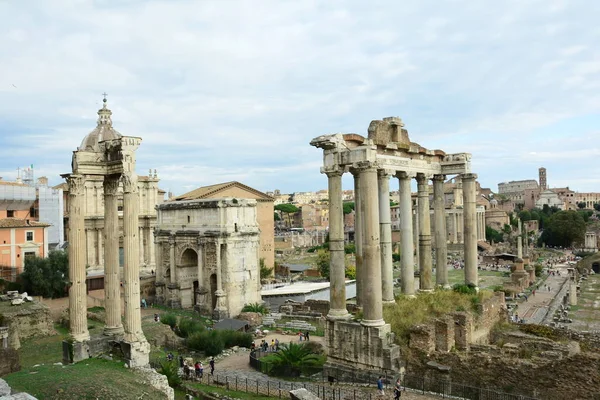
[[397, 389], [307, 336], [212, 365], [380, 385]]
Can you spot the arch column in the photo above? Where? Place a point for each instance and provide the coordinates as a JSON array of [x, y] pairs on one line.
[[425, 261], [112, 287], [441, 250], [220, 311], [385, 232], [78, 330], [372, 301], [407, 261], [470, 235], [337, 270]]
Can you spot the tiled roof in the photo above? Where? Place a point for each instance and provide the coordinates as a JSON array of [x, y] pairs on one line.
[[206, 192], [20, 223]]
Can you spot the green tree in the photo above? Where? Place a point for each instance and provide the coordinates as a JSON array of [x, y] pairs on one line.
[[564, 228], [351, 272], [348, 207], [323, 259], [581, 205], [597, 206], [47, 277], [171, 370], [292, 359], [276, 217], [288, 210], [493, 235], [265, 272], [525, 215]]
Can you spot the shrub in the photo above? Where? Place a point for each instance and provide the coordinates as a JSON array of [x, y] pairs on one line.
[[187, 327], [210, 342], [351, 272], [464, 288], [169, 319], [292, 359], [350, 248], [171, 371], [236, 338], [256, 307], [395, 257]]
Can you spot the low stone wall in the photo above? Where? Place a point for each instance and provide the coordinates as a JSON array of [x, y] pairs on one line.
[[322, 306], [29, 320], [9, 361]]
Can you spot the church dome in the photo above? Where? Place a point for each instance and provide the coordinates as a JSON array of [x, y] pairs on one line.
[[104, 130]]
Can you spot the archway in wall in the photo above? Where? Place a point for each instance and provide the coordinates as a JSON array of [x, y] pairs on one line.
[[213, 289], [596, 267], [189, 258]]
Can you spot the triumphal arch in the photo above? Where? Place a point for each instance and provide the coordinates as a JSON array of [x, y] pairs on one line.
[[108, 155], [387, 152]]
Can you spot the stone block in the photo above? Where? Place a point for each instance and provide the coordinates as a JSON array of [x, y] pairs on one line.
[[17, 302], [137, 354], [422, 337], [302, 394], [9, 361], [253, 318], [4, 388], [463, 330]]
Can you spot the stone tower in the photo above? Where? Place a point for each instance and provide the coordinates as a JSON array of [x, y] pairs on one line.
[[543, 182]]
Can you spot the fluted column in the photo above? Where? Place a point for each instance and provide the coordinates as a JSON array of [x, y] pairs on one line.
[[141, 245], [112, 287], [172, 266], [358, 215], [425, 279], [337, 270], [151, 251], [90, 246], [372, 299], [470, 238], [454, 227], [131, 281], [407, 261], [519, 240], [441, 250], [78, 330], [385, 232]]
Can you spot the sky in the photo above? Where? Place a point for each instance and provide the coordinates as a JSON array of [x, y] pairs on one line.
[[235, 90]]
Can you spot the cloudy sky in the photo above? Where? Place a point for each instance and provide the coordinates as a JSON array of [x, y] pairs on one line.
[[235, 90]]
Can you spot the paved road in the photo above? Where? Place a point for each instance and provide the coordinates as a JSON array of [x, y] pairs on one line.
[[536, 307]]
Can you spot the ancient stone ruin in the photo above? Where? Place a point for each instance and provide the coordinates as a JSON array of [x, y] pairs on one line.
[[106, 154], [372, 160]]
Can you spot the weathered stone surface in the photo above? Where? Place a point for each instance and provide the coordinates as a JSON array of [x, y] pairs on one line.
[[157, 381], [253, 318], [9, 361], [302, 394], [4, 388], [17, 302]]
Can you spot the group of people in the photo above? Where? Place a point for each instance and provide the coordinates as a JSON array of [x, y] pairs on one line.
[[191, 370], [264, 345], [397, 387]]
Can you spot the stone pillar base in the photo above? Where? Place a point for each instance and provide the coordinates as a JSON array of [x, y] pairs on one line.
[[355, 350], [172, 296], [338, 315], [137, 353], [78, 351], [114, 332]]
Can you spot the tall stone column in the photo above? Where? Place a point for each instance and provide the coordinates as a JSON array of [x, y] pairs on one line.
[[91, 247], [78, 330], [200, 266], [141, 246], [441, 250], [172, 266], [112, 286], [454, 227], [425, 279], [372, 300], [407, 261], [220, 311], [470, 235], [159, 283], [358, 215], [385, 232], [100, 234], [519, 240], [337, 270], [131, 269], [151, 252]]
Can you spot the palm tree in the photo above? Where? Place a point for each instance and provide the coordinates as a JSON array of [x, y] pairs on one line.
[[292, 359]]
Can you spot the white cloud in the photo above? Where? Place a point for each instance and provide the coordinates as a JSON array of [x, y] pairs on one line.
[[236, 90]]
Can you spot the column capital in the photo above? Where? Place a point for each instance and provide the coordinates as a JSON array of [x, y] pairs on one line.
[[423, 178], [362, 166], [111, 184], [172, 240], [334, 171], [130, 183], [468, 176], [439, 178], [405, 175], [76, 184], [385, 173]]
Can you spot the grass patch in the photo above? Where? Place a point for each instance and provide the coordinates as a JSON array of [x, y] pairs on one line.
[[90, 379], [232, 393], [427, 306], [95, 309]]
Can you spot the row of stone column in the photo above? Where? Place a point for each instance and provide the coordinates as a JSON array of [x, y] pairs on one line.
[[132, 329], [373, 238], [95, 246]]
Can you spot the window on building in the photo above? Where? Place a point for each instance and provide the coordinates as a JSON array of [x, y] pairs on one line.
[[29, 254], [10, 213], [33, 212], [29, 236]]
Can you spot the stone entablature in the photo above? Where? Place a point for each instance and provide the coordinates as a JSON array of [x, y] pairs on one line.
[[207, 254]]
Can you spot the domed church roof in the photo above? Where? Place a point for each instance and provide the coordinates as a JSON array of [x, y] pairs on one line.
[[103, 131]]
